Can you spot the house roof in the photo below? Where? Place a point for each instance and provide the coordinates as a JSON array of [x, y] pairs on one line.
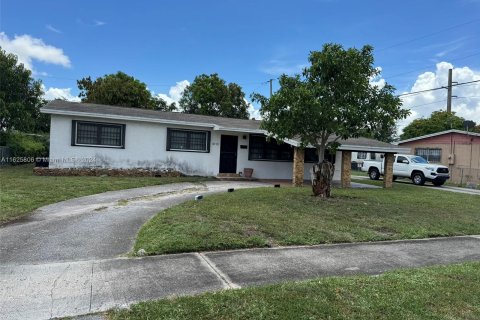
[[370, 145], [439, 134], [60, 107], [360, 144], [91, 110]]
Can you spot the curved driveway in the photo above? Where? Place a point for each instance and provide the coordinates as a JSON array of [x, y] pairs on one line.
[[97, 226]]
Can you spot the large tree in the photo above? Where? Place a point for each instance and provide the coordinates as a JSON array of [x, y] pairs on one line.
[[333, 99], [210, 95], [20, 97], [438, 121], [120, 89]]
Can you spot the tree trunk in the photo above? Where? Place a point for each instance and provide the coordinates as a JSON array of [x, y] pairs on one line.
[[322, 176]]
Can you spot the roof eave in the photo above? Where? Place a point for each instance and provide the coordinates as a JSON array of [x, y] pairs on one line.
[[393, 149], [244, 130], [128, 118], [439, 134]]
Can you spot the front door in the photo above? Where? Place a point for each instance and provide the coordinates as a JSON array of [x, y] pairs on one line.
[[228, 154]]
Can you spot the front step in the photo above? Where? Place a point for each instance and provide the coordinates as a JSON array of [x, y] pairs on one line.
[[228, 175], [233, 177]]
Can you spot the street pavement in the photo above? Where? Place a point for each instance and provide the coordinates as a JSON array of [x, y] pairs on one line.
[[59, 289]]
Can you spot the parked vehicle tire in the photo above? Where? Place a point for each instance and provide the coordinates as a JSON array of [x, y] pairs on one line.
[[395, 178], [418, 178], [374, 174], [439, 183]]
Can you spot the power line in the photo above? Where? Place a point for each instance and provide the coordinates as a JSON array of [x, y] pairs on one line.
[[418, 92], [426, 104], [465, 83], [427, 35], [438, 88], [430, 66]]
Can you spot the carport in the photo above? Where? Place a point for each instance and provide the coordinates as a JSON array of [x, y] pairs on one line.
[[343, 159]]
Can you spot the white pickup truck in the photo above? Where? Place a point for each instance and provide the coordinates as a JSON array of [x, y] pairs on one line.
[[409, 166]]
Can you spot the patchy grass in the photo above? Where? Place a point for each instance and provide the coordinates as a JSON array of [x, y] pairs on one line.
[[21, 191], [263, 217], [445, 292], [359, 173]]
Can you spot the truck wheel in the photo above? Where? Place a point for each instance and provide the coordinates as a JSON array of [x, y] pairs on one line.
[[374, 174], [394, 178], [418, 179], [438, 183]]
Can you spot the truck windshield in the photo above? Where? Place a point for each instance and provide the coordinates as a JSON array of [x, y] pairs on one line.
[[418, 160]]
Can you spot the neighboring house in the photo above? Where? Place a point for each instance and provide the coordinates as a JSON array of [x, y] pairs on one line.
[[93, 135], [459, 150]]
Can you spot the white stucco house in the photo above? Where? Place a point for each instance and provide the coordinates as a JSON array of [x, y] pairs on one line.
[[93, 135]]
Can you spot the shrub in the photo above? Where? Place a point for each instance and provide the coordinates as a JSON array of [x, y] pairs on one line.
[[27, 145]]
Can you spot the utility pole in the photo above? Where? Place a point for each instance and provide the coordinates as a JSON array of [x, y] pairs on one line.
[[449, 89]]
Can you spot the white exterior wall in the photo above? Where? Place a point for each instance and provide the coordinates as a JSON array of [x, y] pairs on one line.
[[145, 147]]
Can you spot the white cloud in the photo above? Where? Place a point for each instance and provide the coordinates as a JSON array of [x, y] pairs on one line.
[[28, 49], [378, 81], [59, 93], [175, 92], [52, 28], [466, 105], [99, 23], [253, 113]]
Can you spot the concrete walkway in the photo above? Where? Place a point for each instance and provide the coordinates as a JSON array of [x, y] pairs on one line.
[[43, 291]]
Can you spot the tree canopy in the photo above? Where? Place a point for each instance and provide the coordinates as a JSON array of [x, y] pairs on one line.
[[120, 89], [437, 122], [20, 97], [210, 95], [332, 99]]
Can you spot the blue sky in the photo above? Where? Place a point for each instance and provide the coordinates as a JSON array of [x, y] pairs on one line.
[[247, 42]]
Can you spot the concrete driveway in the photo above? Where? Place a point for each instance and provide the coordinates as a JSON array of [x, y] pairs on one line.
[[95, 227]]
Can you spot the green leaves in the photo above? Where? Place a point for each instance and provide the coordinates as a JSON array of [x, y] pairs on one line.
[[438, 121], [210, 95], [332, 97], [20, 97], [120, 89]]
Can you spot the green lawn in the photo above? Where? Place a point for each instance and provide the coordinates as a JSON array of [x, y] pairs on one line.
[[359, 173], [291, 216], [21, 192], [445, 292]]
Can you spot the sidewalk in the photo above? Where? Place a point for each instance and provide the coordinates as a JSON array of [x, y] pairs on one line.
[[43, 291]]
